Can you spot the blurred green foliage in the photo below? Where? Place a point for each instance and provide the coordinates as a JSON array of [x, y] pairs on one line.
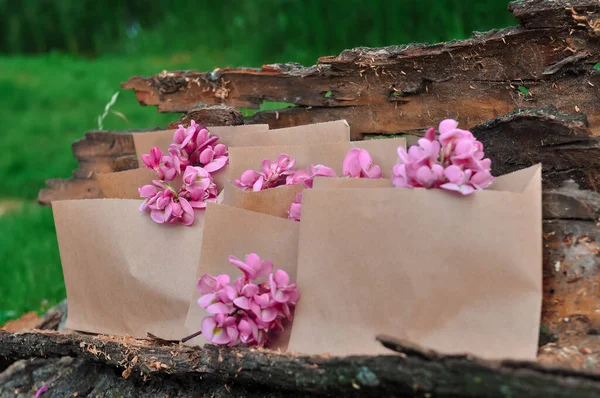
[[261, 31], [50, 100]]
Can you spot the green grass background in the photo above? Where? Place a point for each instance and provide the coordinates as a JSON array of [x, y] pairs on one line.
[[57, 74]]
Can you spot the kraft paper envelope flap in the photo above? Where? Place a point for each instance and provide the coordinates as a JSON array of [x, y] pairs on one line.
[[125, 184], [275, 202], [332, 183], [383, 153], [451, 273], [238, 232], [125, 274], [250, 135], [143, 142], [312, 134]]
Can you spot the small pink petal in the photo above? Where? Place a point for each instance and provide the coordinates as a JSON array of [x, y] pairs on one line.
[[454, 174], [268, 315], [281, 278], [216, 164], [205, 300], [218, 308], [242, 302], [208, 327], [351, 166], [257, 186], [447, 125], [430, 134]]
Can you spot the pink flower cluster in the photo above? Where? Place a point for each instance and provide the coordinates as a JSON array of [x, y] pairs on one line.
[[357, 164], [246, 312], [193, 155], [454, 161]]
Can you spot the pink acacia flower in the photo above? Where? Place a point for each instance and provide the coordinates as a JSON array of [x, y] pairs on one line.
[[359, 164], [273, 174], [167, 205], [220, 329], [193, 156], [254, 267], [246, 312], [453, 162], [307, 177]]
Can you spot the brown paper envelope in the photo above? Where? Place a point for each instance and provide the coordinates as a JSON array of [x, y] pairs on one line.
[[332, 183], [383, 152], [455, 274], [275, 202], [231, 231], [125, 184], [143, 142], [125, 274], [312, 134]]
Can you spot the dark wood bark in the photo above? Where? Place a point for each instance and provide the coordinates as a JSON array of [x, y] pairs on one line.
[[547, 60], [414, 372], [70, 377]]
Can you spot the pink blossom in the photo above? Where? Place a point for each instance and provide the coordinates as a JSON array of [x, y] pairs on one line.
[[196, 177], [281, 289], [220, 329], [190, 147], [153, 159], [207, 284], [249, 333], [297, 177], [166, 205], [276, 171], [305, 177], [455, 162], [295, 210], [254, 267], [250, 180], [359, 164], [248, 313]]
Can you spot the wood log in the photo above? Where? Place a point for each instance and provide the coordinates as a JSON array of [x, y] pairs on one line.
[[413, 372], [108, 151], [548, 60]]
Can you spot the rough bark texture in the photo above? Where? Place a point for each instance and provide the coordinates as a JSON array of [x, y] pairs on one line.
[[414, 371], [547, 60]]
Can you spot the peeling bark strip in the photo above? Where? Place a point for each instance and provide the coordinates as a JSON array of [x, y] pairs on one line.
[[547, 60], [415, 371]]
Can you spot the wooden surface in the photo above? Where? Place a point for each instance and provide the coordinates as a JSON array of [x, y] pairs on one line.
[[412, 371]]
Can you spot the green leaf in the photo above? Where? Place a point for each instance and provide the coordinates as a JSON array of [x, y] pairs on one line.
[[597, 66], [524, 90], [328, 94]]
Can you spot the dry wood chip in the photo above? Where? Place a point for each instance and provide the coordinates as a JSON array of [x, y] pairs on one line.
[[126, 373]]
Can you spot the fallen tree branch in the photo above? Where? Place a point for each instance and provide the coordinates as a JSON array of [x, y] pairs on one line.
[[414, 371]]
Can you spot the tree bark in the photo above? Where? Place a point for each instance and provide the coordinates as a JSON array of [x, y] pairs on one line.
[[414, 372], [548, 60]]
